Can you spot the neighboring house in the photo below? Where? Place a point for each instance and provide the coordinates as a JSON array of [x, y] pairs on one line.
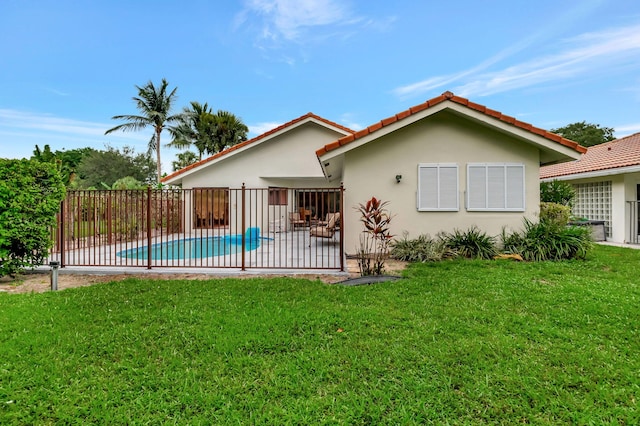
[[607, 183], [445, 164]]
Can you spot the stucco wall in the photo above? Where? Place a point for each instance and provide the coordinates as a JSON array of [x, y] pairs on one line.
[[370, 170], [280, 161]]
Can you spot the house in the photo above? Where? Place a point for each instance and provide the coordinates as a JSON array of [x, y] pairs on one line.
[[607, 183], [445, 164]]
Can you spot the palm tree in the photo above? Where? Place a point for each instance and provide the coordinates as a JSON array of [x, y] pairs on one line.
[[208, 132], [230, 130], [195, 127], [155, 105]]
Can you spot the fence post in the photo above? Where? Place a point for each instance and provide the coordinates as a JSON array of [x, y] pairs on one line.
[[244, 253], [342, 226], [148, 227], [61, 231]]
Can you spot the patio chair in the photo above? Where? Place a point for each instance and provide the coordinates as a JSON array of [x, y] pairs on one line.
[[325, 221], [295, 220], [328, 230]]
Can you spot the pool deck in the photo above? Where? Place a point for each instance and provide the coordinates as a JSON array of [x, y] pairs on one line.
[[293, 252]]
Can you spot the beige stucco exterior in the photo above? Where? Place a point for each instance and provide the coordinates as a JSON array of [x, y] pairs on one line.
[[370, 170], [286, 159]]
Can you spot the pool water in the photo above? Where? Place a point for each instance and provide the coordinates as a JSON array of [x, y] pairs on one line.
[[193, 248]]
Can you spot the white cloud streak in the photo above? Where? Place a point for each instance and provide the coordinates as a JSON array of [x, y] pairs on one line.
[[584, 55], [287, 19], [260, 128]]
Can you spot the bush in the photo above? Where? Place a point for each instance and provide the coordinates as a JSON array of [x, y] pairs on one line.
[[30, 197], [472, 244], [547, 240], [421, 249], [557, 191], [555, 213]]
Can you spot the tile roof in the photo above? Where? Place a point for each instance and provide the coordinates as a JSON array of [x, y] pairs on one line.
[[623, 152], [256, 139], [448, 96]]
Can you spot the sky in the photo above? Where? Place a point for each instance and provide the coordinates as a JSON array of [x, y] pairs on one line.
[[67, 67]]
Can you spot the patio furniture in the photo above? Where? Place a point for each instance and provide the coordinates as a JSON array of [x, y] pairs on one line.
[[326, 220], [328, 230], [295, 220]]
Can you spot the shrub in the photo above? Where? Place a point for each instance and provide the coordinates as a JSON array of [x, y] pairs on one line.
[[555, 213], [375, 238], [472, 244], [547, 240], [30, 197], [557, 191], [421, 249]]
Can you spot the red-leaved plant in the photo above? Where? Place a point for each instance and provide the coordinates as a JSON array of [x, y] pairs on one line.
[[375, 238]]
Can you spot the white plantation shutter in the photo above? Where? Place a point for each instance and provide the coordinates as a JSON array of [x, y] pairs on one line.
[[438, 187], [495, 187]]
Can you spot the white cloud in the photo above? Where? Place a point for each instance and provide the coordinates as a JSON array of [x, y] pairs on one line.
[[347, 120], [627, 129], [23, 130], [289, 18], [584, 55], [260, 128]]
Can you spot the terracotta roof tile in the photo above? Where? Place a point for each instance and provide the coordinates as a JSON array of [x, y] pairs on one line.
[[459, 100], [623, 152], [253, 140]]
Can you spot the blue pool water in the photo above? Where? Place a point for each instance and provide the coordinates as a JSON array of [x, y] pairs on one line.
[[193, 248]]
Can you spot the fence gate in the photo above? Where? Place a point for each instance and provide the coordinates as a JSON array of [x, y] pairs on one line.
[[275, 228]]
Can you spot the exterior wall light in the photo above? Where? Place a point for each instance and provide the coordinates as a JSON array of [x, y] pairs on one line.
[[398, 178]]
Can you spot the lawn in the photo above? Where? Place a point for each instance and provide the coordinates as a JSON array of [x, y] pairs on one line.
[[457, 342]]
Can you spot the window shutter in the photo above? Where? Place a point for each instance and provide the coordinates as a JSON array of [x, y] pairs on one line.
[[476, 187], [438, 187], [515, 187], [495, 187]]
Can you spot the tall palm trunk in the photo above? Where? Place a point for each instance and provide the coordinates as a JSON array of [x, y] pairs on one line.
[[159, 165]]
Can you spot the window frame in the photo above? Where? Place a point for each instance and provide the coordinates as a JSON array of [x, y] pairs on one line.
[[276, 196], [491, 190], [439, 187]]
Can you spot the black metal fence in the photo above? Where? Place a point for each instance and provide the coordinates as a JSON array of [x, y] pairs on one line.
[[274, 228]]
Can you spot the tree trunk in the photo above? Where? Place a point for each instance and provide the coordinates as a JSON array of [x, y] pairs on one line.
[[158, 131]]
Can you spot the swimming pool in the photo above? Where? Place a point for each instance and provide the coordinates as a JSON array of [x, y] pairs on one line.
[[192, 248]]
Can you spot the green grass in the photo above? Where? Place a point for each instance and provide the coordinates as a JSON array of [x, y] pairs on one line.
[[457, 342]]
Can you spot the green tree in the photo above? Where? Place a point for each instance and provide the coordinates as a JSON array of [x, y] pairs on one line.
[[67, 161], [30, 195], [104, 168], [196, 127], [229, 131], [558, 192], [586, 134], [184, 159], [154, 103]]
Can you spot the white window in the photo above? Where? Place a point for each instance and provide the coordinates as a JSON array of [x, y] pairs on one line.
[[438, 187], [495, 187]]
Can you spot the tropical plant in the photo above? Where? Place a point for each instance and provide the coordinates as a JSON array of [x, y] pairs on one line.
[[196, 126], [154, 104], [229, 131], [420, 249], [557, 191], [375, 238], [30, 196], [547, 240], [472, 244]]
